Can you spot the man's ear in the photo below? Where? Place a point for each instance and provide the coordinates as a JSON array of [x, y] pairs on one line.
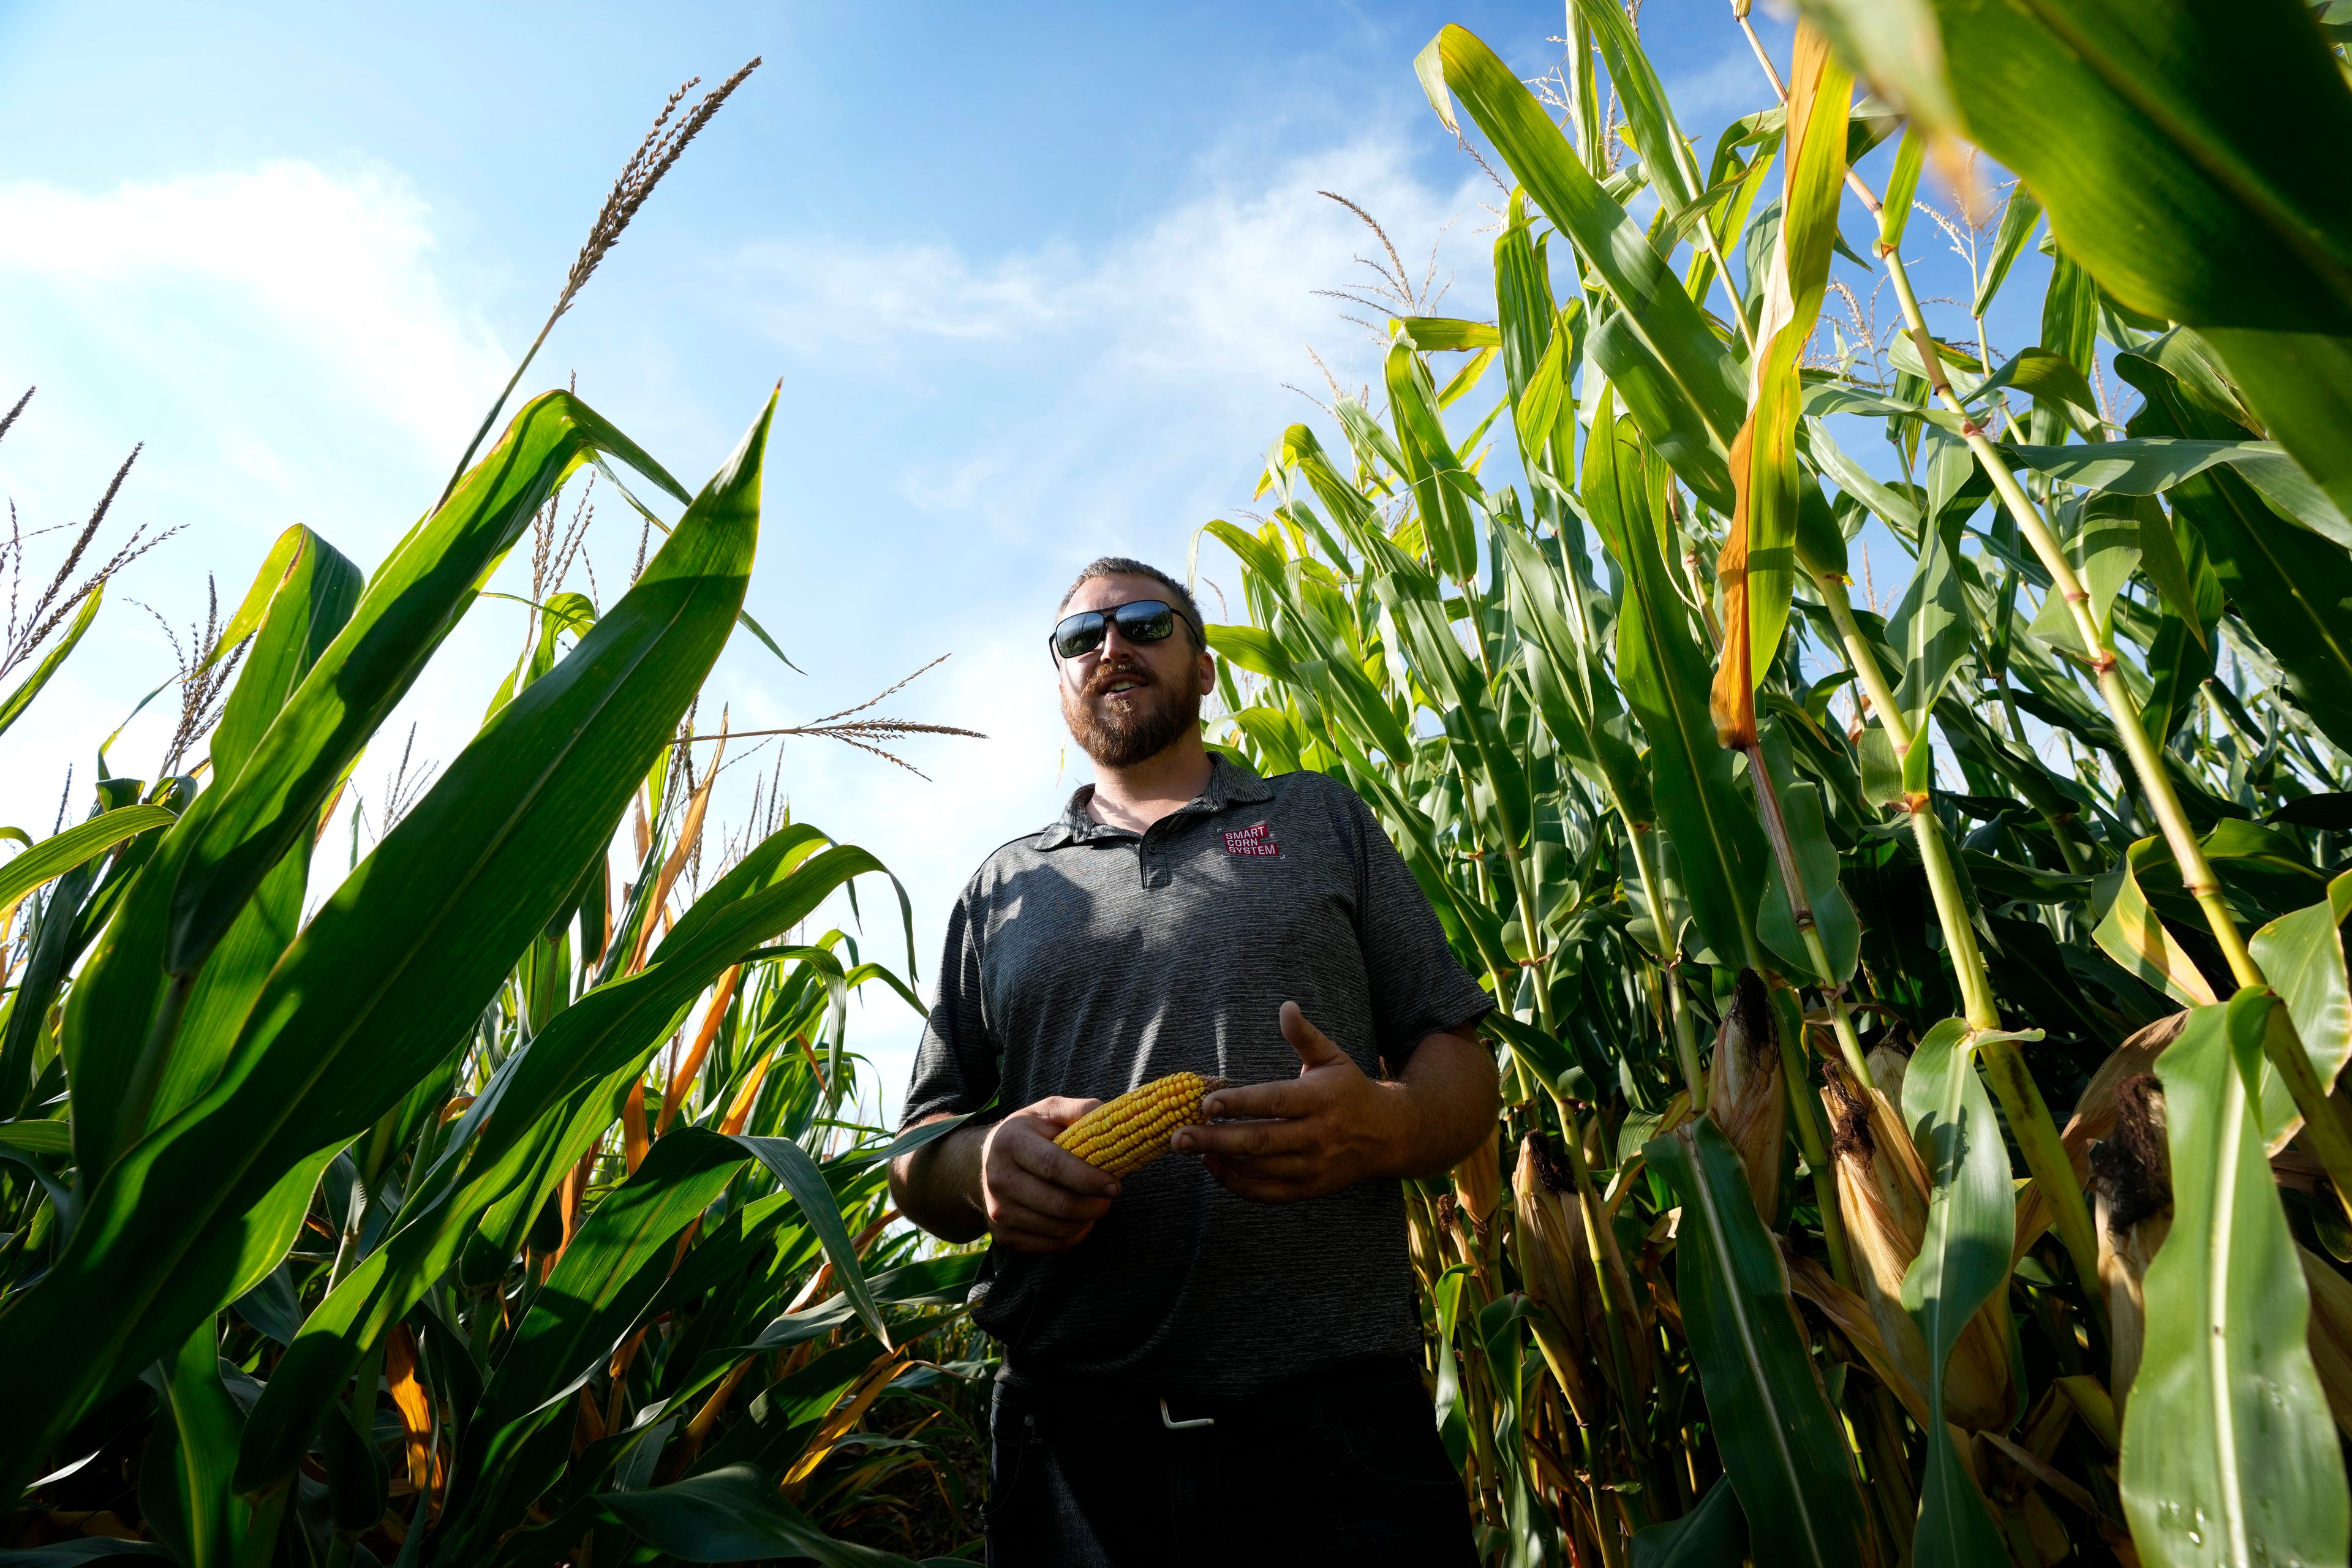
[[1206, 670]]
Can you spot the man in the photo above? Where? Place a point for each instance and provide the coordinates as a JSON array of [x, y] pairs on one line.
[[1216, 1360]]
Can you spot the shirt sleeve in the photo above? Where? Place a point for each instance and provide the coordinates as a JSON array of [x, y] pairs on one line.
[[957, 1067], [1419, 988]]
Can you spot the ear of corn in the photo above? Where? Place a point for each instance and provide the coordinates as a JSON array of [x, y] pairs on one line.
[[2132, 1185], [1123, 1135], [1747, 1098]]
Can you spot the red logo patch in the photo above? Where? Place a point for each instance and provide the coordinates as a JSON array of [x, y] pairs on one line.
[[1257, 841]]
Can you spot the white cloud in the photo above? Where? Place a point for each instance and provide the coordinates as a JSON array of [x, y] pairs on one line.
[[331, 272], [850, 291], [1079, 399], [1220, 284], [282, 339]]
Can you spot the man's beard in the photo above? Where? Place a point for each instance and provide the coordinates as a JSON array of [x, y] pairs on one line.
[[1119, 735]]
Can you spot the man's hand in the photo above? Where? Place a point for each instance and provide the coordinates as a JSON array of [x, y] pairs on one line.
[[1329, 1128], [1035, 1197]]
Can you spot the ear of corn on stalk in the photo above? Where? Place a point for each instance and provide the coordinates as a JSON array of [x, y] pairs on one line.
[[1883, 1192], [1479, 1181], [1745, 1097], [1123, 1135], [1547, 1239], [2094, 1118], [2132, 1185]]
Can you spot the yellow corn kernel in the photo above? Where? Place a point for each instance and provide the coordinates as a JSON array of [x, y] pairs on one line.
[[1128, 1133]]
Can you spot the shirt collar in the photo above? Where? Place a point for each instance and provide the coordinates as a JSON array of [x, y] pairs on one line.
[[1231, 783]]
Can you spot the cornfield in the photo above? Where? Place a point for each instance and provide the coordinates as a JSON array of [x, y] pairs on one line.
[[1919, 1030]]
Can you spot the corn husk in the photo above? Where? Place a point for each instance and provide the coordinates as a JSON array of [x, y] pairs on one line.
[[1745, 1094], [2094, 1118], [1422, 1239], [1851, 1316], [1549, 1240], [1888, 1065], [2131, 1185], [1883, 1192], [1478, 1180]]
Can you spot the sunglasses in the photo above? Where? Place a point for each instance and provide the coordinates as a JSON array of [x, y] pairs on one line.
[[1138, 621]]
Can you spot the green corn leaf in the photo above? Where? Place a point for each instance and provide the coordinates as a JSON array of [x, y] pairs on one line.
[[1713, 1534], [312, 589], [2190, 590], [547, 1104], [2294, 589], [1781, 1444], [1963, 1263], [2165, 142], [2228, 1455], [601, 1287], [1665, 677], [1432, 334], [1412, 599], [204, 1423], [2019, 217], [1649, 117], [1417, 841], [1817, 863], [55, 856], [206, 869], [12, 706], [348, 1021], [1585, 726], [2152, 464], [411, 604], [1671, 420], [2105, 550], [1900, 512], [1436, 475], [791, 1165], [2302, 956], [2130, 933], [2050, 378], [2178, 666], [732, 1514], [302, 596], [1665, 320], [1931, 625]]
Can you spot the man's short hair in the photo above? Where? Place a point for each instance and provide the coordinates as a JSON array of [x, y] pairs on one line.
[[1123, 566]]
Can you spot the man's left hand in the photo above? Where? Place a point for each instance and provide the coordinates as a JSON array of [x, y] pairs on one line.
[[1329, 1128]]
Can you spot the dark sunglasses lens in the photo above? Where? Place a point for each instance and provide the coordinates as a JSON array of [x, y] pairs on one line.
[[1146, 620], [1079, 634]]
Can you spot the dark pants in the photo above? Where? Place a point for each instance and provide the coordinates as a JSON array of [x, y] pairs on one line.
[[1345, 1468]]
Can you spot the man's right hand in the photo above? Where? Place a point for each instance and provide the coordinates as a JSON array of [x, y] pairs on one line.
[[1035, 1197]]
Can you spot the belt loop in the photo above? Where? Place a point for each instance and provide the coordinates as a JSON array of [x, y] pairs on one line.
[[1175, 1425]]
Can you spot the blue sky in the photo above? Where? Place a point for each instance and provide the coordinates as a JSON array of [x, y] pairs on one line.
[[1032, 280]]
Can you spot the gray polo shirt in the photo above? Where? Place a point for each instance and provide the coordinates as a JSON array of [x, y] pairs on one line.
[[1085, 960]]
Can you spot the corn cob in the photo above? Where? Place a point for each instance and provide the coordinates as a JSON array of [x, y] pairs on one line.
[[1126, 1134]]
